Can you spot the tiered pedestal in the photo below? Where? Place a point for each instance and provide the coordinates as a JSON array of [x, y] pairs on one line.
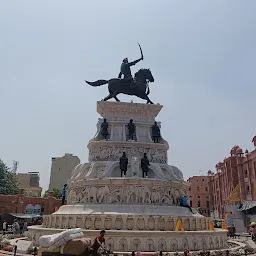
[[137, 213]]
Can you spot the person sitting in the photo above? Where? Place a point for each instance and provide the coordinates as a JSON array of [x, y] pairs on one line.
[[184, 202], [98, 242]]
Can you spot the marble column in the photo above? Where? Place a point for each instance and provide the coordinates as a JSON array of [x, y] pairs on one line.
[[124, 132], [111, 132]]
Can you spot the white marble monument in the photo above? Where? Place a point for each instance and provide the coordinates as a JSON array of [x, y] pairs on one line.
[[138, 213]]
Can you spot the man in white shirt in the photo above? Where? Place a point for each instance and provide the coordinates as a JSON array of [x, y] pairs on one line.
[[4, 226]]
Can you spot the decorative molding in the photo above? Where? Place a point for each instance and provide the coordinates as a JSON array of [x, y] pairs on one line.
[[119, 222], [121, 111]]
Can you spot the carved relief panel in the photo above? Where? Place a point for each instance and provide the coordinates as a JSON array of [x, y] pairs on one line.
[[134, 194], [114, 153]]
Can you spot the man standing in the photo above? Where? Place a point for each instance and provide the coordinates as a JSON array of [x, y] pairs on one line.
[[16, 227], [63, 194], [4, 226]]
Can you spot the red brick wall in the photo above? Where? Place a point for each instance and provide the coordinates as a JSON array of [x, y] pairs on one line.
[[18, 203]]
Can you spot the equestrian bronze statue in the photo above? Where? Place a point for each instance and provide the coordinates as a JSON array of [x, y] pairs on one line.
[[137, 86]]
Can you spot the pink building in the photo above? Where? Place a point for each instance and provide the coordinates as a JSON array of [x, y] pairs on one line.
[[235, 180]]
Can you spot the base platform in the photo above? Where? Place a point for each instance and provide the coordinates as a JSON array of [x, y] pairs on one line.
[[125, 217], [151, 241]]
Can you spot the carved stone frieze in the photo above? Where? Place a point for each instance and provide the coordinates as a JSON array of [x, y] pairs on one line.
[[126, 194], [113, 153]]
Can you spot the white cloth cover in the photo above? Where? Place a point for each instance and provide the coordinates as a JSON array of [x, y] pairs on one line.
[[51, 242]]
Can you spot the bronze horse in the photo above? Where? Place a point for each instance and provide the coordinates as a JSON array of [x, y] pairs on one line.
[[137, 87]]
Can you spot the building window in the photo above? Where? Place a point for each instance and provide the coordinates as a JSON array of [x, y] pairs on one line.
[[198, 203], [190, 203], [207, 204], [246, 173], [189, 189], [198, 197], [197, 188], [206, 189], [248, 188], [203, 179]]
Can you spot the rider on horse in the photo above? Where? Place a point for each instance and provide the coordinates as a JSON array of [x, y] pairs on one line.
[[126, 69], [129, 86]]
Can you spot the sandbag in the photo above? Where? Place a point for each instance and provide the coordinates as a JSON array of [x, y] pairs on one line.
[[76, 246], [57, 240]]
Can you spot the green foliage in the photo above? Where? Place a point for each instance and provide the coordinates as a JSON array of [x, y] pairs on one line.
[[8, 180], [56, 193]]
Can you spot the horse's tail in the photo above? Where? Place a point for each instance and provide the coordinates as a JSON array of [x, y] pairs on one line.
[[97, 83], [148, 91]]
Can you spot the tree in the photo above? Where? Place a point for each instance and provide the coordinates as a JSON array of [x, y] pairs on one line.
[[8, 180], [56, 193]]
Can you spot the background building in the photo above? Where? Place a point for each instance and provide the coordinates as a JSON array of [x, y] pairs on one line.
[[199, 195], [29, 182], [21, 204], [235, 180], [61, 170]]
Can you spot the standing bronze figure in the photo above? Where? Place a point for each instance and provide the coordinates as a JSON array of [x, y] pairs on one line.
[[104, 129], [131, 129], [123, 163], [144, 166], [156, 133]]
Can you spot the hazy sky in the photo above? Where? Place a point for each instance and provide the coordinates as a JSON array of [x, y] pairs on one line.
[[201, 53]]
